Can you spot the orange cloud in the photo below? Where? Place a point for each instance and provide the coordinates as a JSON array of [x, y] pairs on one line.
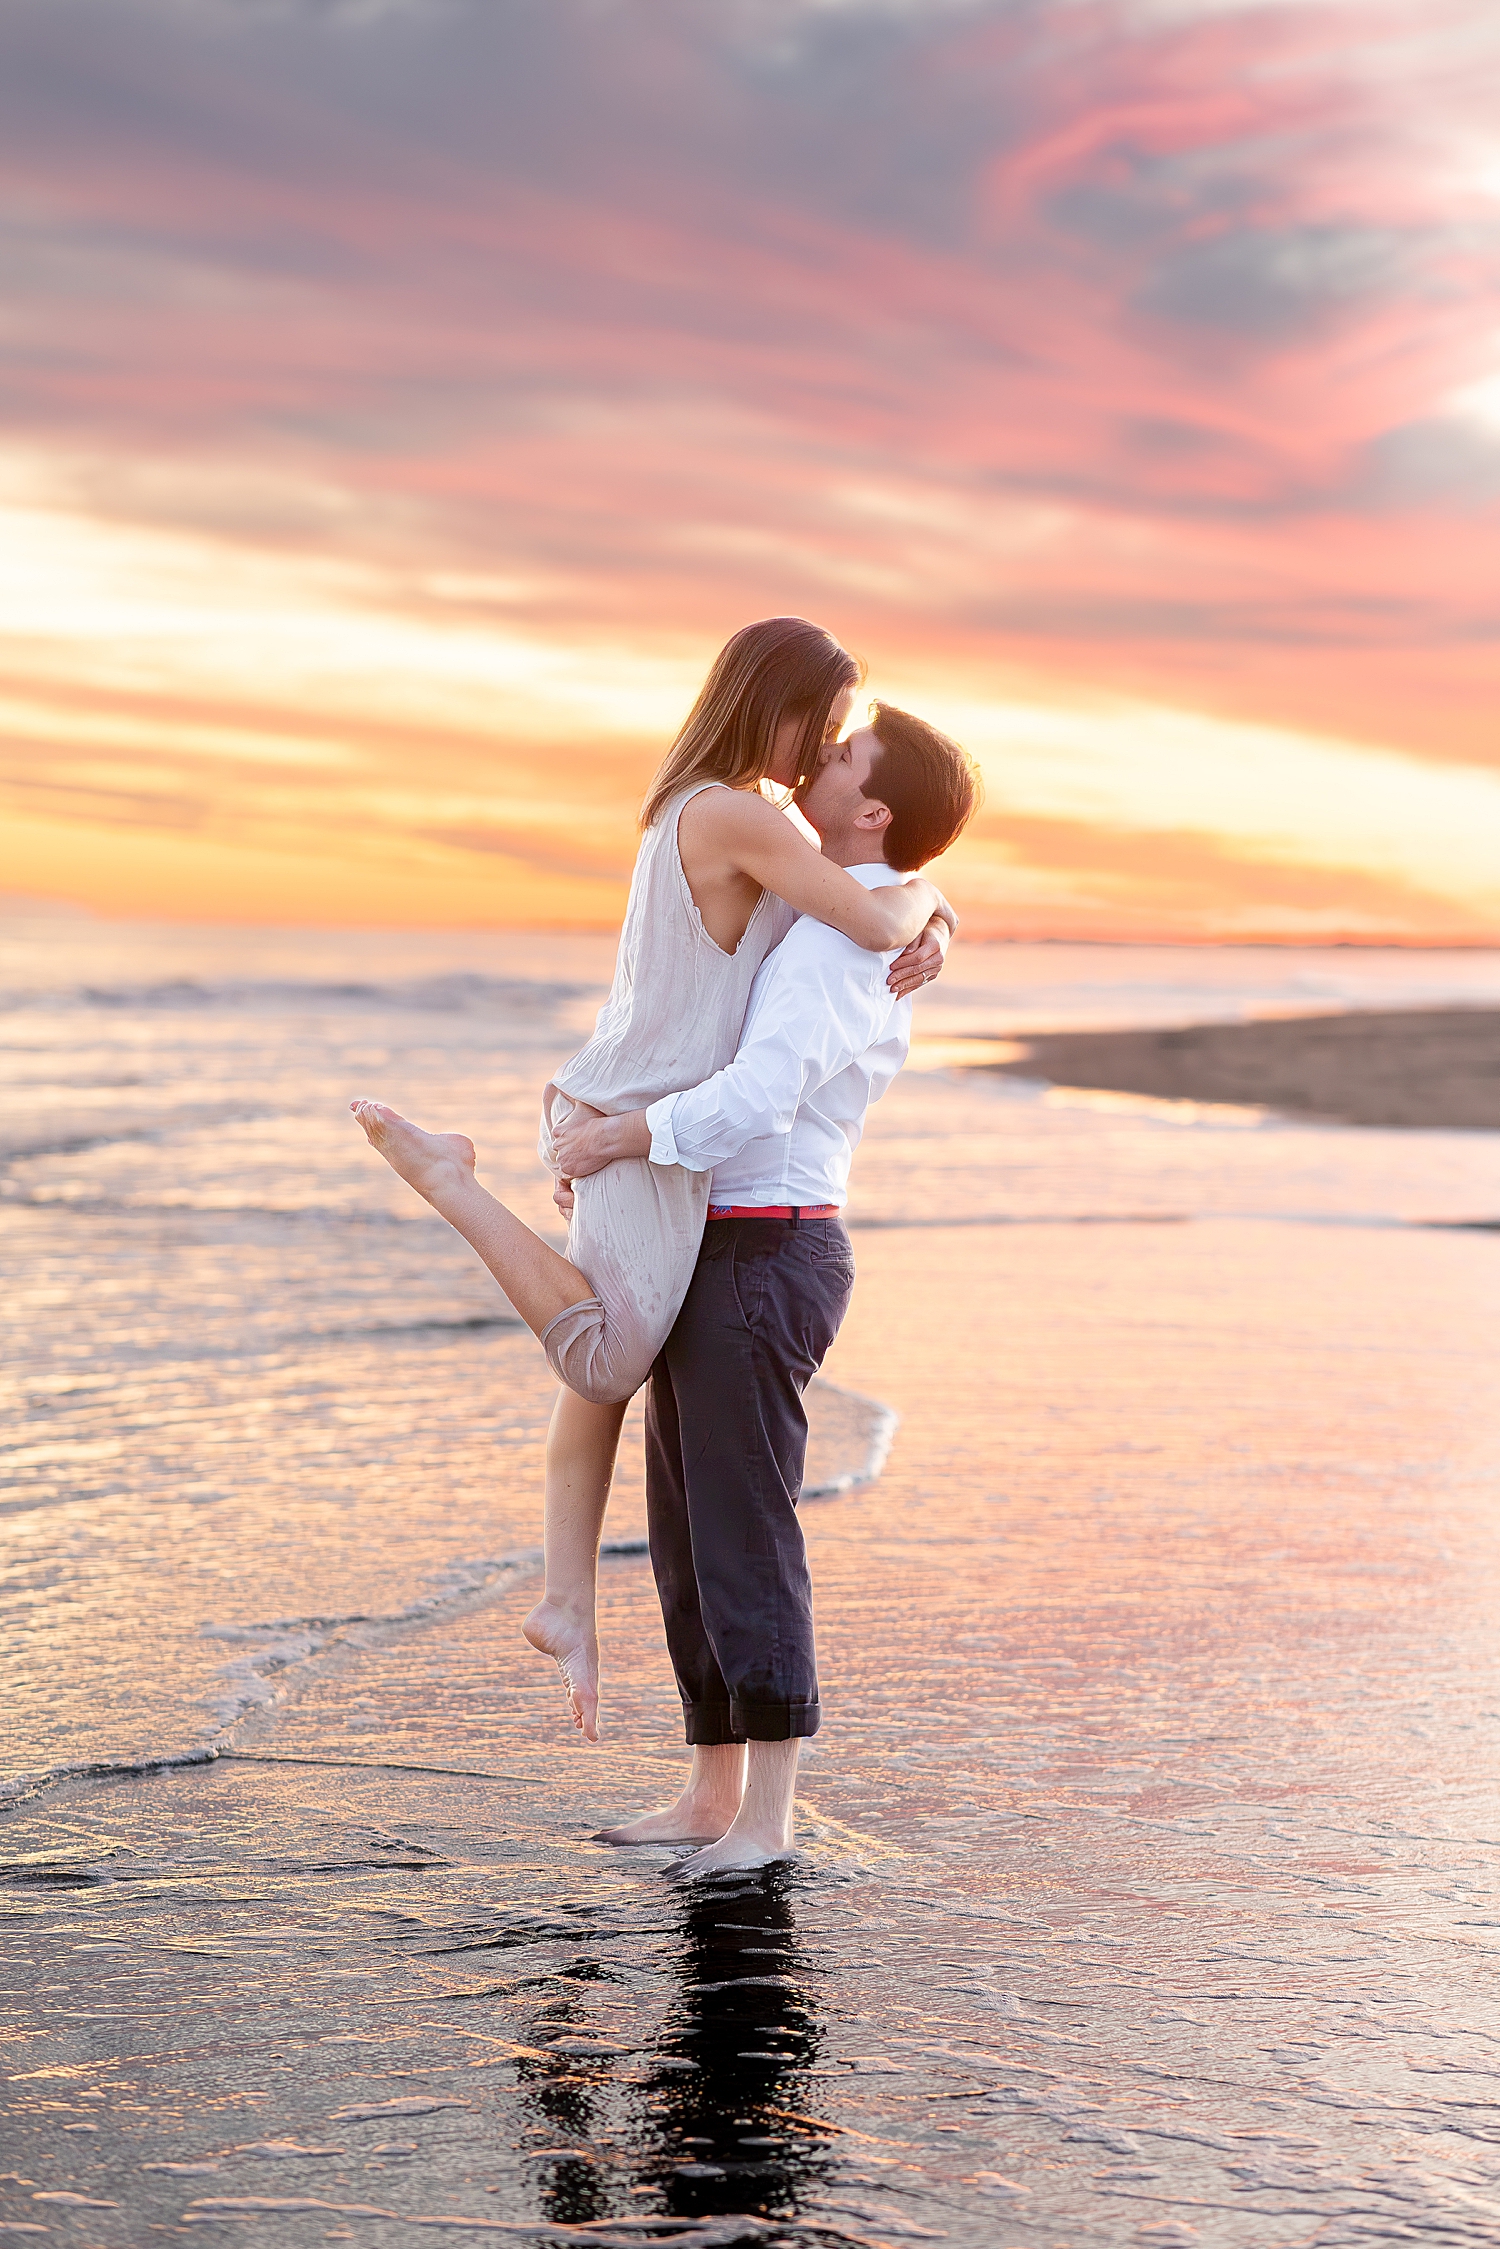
[[1043, 351], [1156, 884]]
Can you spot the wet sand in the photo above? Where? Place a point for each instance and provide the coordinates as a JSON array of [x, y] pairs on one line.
[[1148, 1888], [1437, 1068]]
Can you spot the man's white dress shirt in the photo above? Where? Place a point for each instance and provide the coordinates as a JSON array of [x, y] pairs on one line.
[[823, 1038]]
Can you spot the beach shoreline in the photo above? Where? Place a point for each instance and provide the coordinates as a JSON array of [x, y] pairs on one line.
[[1434, 1069]]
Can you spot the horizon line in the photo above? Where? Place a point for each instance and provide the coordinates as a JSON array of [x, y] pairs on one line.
[[14, 902]]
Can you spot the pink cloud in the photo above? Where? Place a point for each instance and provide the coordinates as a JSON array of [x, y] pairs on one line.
[[1097, 343]]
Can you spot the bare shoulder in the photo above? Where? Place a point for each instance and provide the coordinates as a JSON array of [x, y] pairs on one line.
[[726, 815]]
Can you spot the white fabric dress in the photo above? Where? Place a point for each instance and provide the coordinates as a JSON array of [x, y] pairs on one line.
[[673, 1018]]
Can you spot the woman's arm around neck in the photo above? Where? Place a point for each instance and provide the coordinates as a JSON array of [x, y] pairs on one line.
[[734, 845]]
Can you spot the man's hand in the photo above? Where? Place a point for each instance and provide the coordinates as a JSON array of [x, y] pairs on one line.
[[588, 1140], [562, 1195], [922, 960]]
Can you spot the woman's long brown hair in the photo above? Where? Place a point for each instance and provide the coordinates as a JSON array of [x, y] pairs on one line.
[[780, 668]]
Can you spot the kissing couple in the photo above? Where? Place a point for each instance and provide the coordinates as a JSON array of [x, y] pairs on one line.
[[701, 1143]]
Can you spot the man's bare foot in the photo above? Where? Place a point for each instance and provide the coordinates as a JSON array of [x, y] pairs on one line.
[[731, 1854], [763, 1825], [574, 1647], [686, 1821], [706, 1808], [434, 1163]]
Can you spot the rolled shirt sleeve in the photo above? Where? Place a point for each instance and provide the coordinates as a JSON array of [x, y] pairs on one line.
[[816, 1010]]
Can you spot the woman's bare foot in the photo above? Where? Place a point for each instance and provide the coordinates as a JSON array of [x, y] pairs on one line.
[[573, 1645], [435, 1163], [703, 1812]]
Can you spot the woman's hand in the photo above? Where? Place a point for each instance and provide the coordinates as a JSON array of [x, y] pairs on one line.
[[562, 1195], [943, 912], [588, 1140], [922, 960]]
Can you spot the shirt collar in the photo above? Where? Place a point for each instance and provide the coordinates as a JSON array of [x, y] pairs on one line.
[[875, 874]]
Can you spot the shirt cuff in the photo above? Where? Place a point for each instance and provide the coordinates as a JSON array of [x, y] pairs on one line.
[[663, 1139]]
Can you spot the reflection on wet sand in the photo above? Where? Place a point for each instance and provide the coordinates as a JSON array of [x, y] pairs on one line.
[[717, 2124], [745, 2020]]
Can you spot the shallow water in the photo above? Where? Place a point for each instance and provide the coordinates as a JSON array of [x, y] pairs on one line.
[[1150, 1842]]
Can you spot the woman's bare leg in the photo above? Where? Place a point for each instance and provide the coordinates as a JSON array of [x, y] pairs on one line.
[[440, 1165], [581, 1447]]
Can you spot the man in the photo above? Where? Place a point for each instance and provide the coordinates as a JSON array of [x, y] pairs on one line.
[[726, 1432]]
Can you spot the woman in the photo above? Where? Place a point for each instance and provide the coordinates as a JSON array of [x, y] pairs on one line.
[[719, 878]]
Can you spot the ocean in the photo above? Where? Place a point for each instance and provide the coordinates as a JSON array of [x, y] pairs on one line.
[[1148, 1885]]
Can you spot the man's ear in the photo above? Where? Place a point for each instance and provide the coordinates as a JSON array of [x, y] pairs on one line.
[[872, 816]]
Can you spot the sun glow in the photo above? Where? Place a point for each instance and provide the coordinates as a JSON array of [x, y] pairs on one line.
[[310, 715], [384, 469]]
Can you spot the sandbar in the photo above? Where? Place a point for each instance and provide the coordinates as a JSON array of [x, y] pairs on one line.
[[1432, 1068]]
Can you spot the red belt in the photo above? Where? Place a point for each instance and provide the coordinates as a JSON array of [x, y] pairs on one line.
[[773, 1210]]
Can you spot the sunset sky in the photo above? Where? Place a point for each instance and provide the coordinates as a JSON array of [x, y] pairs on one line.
[[403, 399]]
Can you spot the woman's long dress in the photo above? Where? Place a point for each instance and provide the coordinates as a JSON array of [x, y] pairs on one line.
[[673, 1018]]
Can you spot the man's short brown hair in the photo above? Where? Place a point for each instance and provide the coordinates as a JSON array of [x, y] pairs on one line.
[[930, 784]]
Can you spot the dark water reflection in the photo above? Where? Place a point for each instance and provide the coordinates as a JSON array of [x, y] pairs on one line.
[[731, 2133], [720, 2125]]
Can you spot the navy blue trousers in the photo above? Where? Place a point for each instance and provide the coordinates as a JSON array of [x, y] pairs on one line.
[[726, 1438]]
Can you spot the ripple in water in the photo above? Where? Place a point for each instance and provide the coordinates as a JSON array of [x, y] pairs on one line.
[[1148, 1874]]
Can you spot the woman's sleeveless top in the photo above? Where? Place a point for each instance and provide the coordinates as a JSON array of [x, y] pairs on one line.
[[678, 1001]]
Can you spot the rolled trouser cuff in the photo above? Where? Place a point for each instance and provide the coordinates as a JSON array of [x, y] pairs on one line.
[[776, 1721], [710, 1725]]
